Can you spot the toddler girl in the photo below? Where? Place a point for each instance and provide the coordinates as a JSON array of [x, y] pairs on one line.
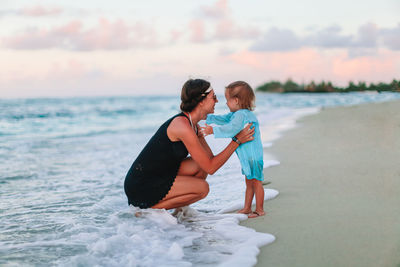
[[240, 100]]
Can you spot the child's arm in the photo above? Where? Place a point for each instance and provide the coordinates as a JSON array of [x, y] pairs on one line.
[[219, 119], [230, 129]]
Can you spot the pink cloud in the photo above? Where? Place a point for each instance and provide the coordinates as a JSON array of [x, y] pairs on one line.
[[218, 10], [38, 11], [71, 28], [287, 62], [33, 38], [72, 36], [223, 25], [366, 68], [175, 35], [227, 29], [196, 28], [109, 35], [311, 64]]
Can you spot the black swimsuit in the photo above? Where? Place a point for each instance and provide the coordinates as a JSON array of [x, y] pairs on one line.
[[153, 172]]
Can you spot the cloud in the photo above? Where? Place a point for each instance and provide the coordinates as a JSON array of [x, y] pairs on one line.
[[197, 30], [227, 29], [355, 52], [105, 35], [367, 36], [391, 37], [175, 35], [38, 11], [221, 25], [330, 37], [32, 11], [277, 40], [365, 42], [226, 51], [6, 12], [370, 69], [217, 11]]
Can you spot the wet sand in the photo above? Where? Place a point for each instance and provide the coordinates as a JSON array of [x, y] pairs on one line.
[[339, 184]]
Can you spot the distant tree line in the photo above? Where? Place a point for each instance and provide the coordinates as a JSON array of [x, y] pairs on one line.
[[326, 87]]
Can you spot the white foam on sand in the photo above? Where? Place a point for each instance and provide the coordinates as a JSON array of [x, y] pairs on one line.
[[157, 238]]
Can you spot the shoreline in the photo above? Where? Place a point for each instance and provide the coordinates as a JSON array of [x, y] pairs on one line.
[[339, 184]]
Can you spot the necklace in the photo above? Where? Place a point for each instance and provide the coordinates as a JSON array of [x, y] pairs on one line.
[[191, 123]]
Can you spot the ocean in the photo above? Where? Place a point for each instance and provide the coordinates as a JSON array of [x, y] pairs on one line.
[[62, 166]]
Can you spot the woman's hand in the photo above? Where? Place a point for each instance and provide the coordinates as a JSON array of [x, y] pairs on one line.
[[246, 134]]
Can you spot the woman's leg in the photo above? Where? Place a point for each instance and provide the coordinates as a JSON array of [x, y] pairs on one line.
[[248, 199], [184, 191], [259, 192], [189, 167]]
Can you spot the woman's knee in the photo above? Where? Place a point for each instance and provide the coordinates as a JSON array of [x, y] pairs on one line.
[[189, 167], [202, 174], [204, 189]]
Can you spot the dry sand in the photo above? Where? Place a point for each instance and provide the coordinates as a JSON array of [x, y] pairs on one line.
[[339, 184]]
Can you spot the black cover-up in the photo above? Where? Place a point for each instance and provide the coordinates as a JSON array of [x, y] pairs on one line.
[[153, 172]]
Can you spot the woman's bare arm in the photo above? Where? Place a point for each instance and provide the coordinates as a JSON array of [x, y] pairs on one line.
[[204, 143], [182, 130]]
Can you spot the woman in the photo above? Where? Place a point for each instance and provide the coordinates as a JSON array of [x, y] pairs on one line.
[[162, 176]]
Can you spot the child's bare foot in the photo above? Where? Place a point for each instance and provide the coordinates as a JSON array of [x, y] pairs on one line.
[[256, 214], [245, 211]]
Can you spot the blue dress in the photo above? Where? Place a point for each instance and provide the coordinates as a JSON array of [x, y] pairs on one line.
[[250, 153]]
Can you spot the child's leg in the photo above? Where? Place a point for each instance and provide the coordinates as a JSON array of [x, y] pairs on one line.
[[248, 199], [259, 192]]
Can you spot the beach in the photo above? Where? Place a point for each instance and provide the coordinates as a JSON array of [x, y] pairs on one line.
[[339, 184], [332, 200]]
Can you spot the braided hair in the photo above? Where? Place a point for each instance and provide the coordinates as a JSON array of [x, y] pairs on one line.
[[193, 92]]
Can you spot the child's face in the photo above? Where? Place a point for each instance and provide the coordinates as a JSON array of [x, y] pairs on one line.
[[232, 102]]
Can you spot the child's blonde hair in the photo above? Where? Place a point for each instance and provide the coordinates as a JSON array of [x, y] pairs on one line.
[[244, 94]]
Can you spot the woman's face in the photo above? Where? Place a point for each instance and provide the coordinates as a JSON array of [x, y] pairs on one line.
[[209, 102]]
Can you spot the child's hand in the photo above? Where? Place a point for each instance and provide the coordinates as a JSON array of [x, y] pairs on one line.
[[199, 132], [206, 130]]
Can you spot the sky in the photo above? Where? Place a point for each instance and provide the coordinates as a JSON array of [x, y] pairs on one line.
[[126, 47]]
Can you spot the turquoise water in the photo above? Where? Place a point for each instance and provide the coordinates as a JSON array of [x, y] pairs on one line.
[[62, 166]]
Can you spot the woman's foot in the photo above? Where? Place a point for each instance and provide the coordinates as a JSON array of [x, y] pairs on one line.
[[176, 211], [256, 214], [245, 211]]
